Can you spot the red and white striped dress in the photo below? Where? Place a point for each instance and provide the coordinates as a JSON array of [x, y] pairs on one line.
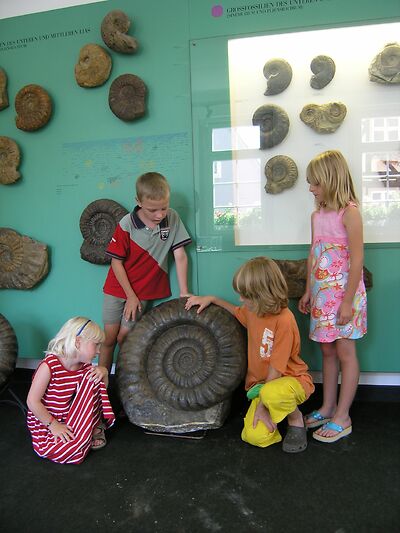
[[75, 401]]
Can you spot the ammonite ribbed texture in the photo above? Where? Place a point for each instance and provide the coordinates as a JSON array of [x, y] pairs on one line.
[[127, 97], [176, 360], [33, 107], [324, 118], [114, 29], [274, 125], [23, 261], [281, 173], [3, 90], [8, 350], [97, 224], [323, 69], [278, 74], [9, 161], [93, 67], [385, 67]]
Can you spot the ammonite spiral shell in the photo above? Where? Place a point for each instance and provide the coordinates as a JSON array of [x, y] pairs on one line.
[[324, 118], [385, 67], [281, 173], [114, 29], [23, 261], [3, 90], [93, 67], [274, 125], [33, 107], [278, 74], [97, 224], [323, 68], [127, 97], [9, 161], [176, 365], [8, 350]]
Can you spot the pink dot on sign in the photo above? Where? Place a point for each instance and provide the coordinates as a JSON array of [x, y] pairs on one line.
[[217, 11]]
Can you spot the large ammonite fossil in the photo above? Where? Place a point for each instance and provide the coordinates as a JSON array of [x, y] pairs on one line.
[[23, 261], [323, 69], [3, 90], [33, 107], [97, 224], [8, 350], [177, 369], [93, 67], [274, 125], [127, 97], [9, 161], [278, 74], [114, 29], [324, 118], [385, 67], [281, 173]]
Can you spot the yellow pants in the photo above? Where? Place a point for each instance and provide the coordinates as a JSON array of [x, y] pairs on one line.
[[280, 396]]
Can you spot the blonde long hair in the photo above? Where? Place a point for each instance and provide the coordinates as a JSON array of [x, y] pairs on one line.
[[261, 281], [330, 170], [63, 343]]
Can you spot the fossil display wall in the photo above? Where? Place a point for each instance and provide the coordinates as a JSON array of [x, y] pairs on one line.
[[60, 181]]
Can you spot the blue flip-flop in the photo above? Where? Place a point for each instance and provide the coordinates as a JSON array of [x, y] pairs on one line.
[[341, 432], [316, 420]]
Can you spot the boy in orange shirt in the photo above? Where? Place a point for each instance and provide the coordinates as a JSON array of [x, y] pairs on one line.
[[277, 381]]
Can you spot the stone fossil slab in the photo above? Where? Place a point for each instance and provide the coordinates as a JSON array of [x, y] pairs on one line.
[[177, 369]]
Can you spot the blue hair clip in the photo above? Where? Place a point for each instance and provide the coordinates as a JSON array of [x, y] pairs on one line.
[[82, 328]]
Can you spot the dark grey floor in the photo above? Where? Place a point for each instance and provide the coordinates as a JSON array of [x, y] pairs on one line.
[[144, 483]]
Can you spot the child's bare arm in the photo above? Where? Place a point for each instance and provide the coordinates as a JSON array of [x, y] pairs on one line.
[[132, 301], [205, 301], [34, 402], [181, 262]]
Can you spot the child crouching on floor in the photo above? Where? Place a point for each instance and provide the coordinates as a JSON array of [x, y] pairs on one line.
[[277, 381]]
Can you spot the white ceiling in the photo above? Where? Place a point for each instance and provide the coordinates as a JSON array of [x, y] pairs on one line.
[[14, 8]]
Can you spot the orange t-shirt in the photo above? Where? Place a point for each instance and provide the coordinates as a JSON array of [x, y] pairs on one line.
[[273, 340]]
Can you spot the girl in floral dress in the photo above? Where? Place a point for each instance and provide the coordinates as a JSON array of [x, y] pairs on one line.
[[335, 292]]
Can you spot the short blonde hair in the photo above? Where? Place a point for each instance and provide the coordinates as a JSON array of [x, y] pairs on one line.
[[63, 343], [153, 186], [330, 170], [261, 281]]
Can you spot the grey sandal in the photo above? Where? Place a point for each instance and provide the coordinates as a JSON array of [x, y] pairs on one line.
[[295, 440]]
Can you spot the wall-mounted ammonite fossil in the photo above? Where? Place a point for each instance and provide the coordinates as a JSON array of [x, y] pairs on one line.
[[385, 67], [23, 261], [324, 118], [274, 125], [33, 107], [93, 67], [127, 97], [9, 161], [3, 90], [281, 173], [177, 369], [278, 74], [323, 69], [8, 350], [97, 224], [114, 32]]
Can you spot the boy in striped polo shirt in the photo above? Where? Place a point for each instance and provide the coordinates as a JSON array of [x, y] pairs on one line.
[[139, 252]]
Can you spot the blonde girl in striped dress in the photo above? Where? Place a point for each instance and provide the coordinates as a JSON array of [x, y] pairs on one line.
[[68, 404]]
